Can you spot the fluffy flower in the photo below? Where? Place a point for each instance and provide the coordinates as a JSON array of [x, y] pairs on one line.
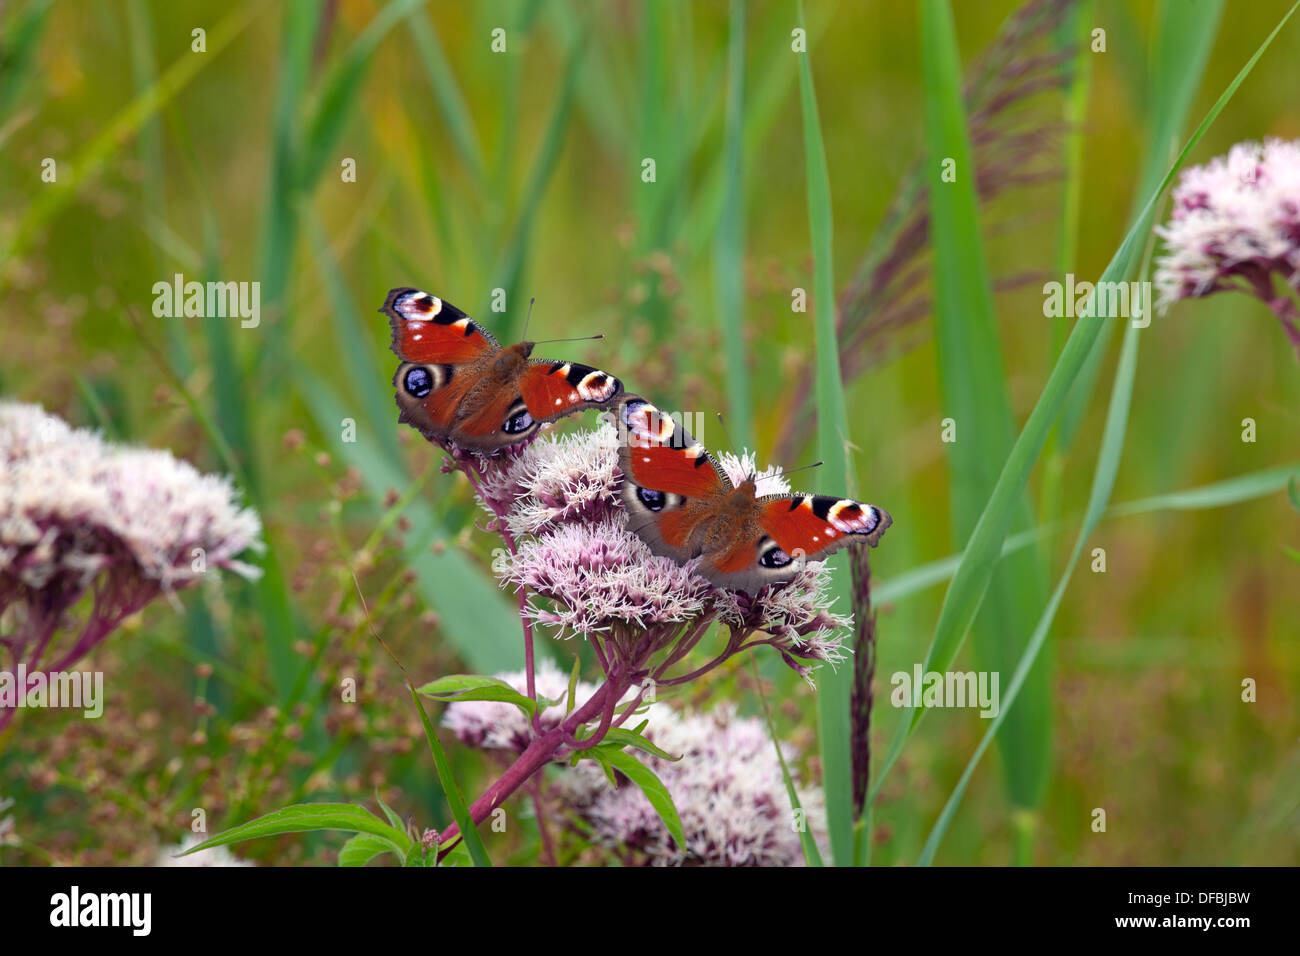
[[79, 515], [497, 725], [72, 505], [214, 856], [769, 481], [1235, 224], [600, 573], [727, 787], [564, 478]]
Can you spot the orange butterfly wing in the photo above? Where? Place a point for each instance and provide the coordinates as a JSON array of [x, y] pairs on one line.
[[815, 525], [429, 331], [551, 390], [658, 454]]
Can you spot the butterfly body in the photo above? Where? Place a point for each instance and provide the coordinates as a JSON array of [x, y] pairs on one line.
[[684, 506], [456, 383]]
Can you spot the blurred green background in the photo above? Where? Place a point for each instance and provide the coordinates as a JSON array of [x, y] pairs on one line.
[[522, 170]]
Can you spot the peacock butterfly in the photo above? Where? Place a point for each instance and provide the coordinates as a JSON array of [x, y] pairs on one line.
[[456, 383], [683, 505]]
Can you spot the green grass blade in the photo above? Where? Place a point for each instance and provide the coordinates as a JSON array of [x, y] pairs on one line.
[[17, 46], [280, 220], [1073, 35], [368, 380], [729, 249], [1184, 35], [1112, 447], [966, 593], [508, 273], [1220, 494], [973, 379], [92, 157], [340, 89], [459, 122], [762, 111], [833, 687]]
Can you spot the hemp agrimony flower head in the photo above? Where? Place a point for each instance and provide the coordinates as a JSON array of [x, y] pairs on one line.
[[727, 787], [80, 516], [497, 725], [1235, 224], [642, 613]]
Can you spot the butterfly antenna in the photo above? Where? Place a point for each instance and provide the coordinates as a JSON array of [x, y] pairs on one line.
[[816, 464], [580, 338], [528, 318], [724, 431]]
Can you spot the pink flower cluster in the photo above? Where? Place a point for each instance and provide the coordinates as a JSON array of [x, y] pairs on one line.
[[727, 787], [1235, 224]]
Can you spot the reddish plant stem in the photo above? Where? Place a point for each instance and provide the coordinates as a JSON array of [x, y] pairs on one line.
[[537, 755]]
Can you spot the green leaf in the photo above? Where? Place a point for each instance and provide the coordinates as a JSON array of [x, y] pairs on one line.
[[469, 834], [621, 737], [651, 786], [459, 687], [573, 685], [363, 848], [305, 817], [390, 813], [458, 856]]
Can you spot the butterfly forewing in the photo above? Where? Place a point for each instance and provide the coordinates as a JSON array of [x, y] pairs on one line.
[[428, 330]]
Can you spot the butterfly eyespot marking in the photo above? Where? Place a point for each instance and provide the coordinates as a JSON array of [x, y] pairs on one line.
[[418, 381], [653, 500], [849, 517], [418, 305], [647, 425], [518, 421], [774, 557], [596, 387]]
